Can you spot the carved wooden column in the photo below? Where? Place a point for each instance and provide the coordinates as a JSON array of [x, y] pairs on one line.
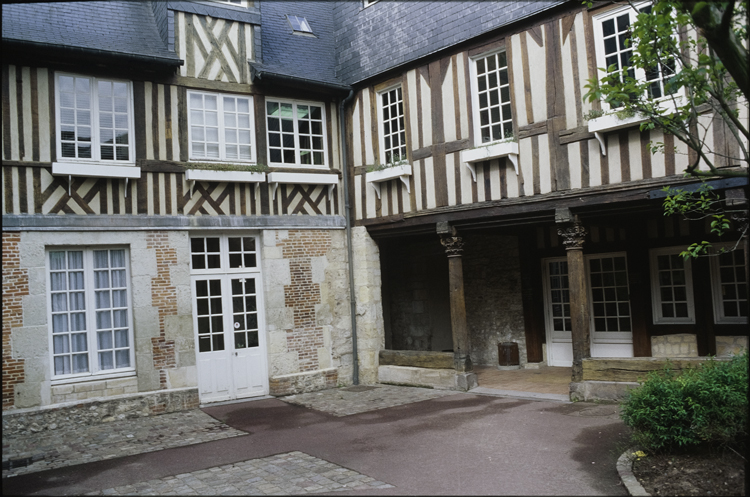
[[453, 248], [573, 238]]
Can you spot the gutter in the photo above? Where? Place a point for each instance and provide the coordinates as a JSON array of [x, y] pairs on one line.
[[10, 44], [350, 255], [262, 76]]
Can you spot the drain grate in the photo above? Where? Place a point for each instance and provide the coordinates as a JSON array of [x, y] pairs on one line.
[[17, 462], [359, 388]]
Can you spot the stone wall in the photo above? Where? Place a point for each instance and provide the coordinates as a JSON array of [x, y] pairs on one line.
[[71, 416], [161, 310], [15, 288], [679, 345], [307, 309], [367, 284], [492, 289], [727, 346]]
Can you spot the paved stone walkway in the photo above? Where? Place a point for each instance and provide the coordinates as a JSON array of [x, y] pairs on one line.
[[362, 398], [58, 448], [293, 473]]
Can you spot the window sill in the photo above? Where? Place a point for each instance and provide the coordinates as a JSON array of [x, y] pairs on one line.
[[92, 377], [97, 170], [376, 177], [275, 178], [610, 122], [488, 152]]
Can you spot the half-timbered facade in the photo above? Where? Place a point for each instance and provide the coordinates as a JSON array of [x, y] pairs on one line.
[[242, 198], [554, 210]]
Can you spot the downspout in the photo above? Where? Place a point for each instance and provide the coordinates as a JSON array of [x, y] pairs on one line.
[[350, 254]]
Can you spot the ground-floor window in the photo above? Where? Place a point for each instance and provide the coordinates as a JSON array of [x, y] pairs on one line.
[[671, 287], [728, 286], [90, 311]]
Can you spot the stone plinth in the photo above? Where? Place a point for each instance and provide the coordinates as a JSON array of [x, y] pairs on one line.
[[680, 345], [444, 379]]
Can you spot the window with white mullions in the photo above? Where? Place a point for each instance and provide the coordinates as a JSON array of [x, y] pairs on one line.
[[242, 252], [610, 299], [728, 285], [671, 287], [295, 133], [559, 295], [493, 96], [393, 139], [244, 313], [90, 311], [221, 127], [94, 119], [210, 315], [614, 51]]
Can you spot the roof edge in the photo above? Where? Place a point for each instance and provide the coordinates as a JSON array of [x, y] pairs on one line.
[[259, 75]]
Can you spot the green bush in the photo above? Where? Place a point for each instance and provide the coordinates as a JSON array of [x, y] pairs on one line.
[[707, 404]]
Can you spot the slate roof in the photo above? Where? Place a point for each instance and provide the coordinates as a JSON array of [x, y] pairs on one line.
[[390, 33], [117, 27], [300, 56]]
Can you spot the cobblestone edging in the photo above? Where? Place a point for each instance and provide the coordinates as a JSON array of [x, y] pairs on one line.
[[625, 469], [85, 413], [293, 473]]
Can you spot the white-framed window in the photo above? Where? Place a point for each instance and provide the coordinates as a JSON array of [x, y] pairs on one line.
[[728, 280], [367, 3], [296, 133], [610, 296], [237, 3], [210, 253], [90, 313], [392, 126], [671, 287], [490, 83], [94, 118], [613, 48], [221, 127], [557, 295]]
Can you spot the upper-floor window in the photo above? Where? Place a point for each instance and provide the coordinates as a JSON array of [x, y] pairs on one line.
[[728, 287], [299, 24], [94, 119], [493, 119], [238, 3], [671, 287], [90, 311], [392, 129], [295, 133], [221, 127], [614, 50]]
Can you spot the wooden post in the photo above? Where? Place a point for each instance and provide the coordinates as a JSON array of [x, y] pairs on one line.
[[573, 238], [453, 248]]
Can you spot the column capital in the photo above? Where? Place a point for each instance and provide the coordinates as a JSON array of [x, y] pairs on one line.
[[454, 245], [574, 235]]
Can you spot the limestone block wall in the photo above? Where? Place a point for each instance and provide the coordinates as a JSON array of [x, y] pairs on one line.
[[367, 284], [727, 346], [307, 309], [679, 345], [161, 310], [492, 289]]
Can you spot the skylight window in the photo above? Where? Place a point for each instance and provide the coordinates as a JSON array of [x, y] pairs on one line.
[[299, 24]]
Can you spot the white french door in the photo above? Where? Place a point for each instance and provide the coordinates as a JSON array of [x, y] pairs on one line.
[[228, 318], [611, 326]]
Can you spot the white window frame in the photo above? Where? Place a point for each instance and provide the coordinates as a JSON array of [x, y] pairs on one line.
[[381, 126], [656, 300], [222, 159], [475, 100], [302, 22], [297, 150], [235, 3], [95, 124], [224, 266], [608, 336], [556, 336], [94, 373], [640, 74], [716, 290]]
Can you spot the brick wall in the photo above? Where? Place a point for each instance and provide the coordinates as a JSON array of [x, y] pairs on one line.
[[164, 298], [302, 295], [15, 287]]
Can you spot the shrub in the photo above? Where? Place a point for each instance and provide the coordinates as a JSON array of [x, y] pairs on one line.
[[707, 404]]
